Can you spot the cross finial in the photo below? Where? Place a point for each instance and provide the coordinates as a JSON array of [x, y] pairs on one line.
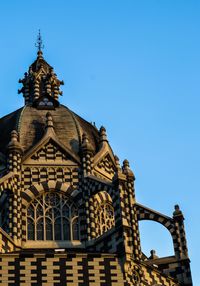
[[39, 43]]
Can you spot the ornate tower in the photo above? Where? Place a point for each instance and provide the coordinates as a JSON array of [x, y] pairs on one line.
[[68, 212]]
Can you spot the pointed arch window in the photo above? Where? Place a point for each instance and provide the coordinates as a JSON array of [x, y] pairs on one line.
[[52, 216]]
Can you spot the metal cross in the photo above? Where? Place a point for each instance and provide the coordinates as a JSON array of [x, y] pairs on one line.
[[39, 43]]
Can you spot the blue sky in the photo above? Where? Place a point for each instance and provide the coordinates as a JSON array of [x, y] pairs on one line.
[[134, 67]]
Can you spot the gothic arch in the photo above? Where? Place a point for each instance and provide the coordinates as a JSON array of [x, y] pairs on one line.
[[37, 189], [101, 197], [155, 239], [144, 213], [102, 213]]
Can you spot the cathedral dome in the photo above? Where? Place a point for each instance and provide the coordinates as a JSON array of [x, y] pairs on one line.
[[30, 124], [66, 203], [41, 90]]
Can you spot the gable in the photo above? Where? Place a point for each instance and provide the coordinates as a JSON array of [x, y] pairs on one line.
[[106, 167], [50, 153]]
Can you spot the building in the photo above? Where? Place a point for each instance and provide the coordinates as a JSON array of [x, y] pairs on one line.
[[68, 210]]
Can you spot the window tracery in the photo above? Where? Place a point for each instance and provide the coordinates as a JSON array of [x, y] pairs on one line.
[[52, 216], [105, 218], [136, 277]]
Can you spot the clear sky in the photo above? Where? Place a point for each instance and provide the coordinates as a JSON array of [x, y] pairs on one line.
[[134, 67]]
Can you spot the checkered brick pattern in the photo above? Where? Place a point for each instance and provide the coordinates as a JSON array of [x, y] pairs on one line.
[[109, 250], [143, 275], [9, 181], [49, 152], [137, 252], [6, 243], [60, 269], [14, 162], [183, 239], [32, 175], [145, 213], [95, 202], [152, 277], [11, 184], [127, 216], [180, 238], [122, 238], [105, 168], [175, 228], [179, 269], [36, 190], [87, 163], [89, 187], [75, 176]]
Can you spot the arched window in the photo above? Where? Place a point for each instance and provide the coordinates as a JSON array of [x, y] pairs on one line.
[[52, 216], [104, 217]]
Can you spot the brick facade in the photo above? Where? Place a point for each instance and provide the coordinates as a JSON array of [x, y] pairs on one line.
[[57, 163]]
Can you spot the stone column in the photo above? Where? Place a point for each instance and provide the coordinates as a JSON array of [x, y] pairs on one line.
[[14, 165]]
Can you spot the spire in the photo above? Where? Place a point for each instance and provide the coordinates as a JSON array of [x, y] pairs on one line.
[[117, 162], [41, 87], [103, 135], [126, 169], [14, 143], [39, 44], [14, 152], [86, 146], [49, 120], [177, 214]]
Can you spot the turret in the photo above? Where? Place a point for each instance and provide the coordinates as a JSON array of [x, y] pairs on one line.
[[14, 153], [127, 171], [87, 155], [181, 250], [41, 87], [103, 135]]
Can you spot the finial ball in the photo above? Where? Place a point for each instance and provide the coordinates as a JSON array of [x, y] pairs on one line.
[[14, 135]]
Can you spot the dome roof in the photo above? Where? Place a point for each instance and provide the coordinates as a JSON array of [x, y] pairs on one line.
[[30, 123], [41, 91]]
